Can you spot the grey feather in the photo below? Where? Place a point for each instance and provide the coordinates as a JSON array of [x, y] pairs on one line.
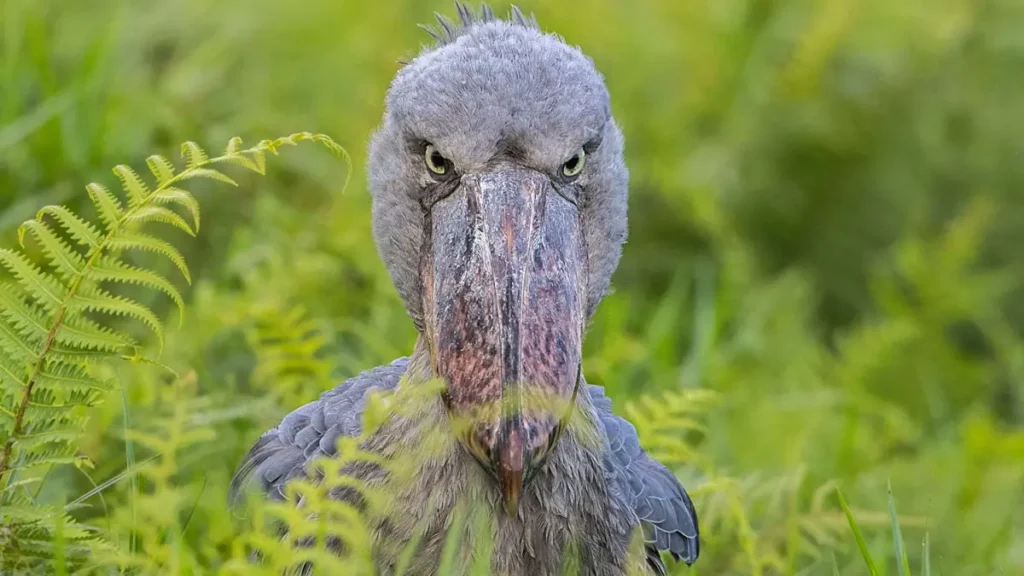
[[657, 497], [285, 452]]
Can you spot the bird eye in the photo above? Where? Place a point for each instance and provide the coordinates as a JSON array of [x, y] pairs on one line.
[[574, 166], [436, 163]]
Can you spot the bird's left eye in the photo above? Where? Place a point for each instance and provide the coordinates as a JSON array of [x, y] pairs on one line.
[[436, 163], [574, 165]]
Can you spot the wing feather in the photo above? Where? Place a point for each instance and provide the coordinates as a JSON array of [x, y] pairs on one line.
[[658, 499], [285, 452]]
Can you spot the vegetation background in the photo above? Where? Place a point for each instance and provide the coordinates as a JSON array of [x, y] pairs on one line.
[[823, 285]]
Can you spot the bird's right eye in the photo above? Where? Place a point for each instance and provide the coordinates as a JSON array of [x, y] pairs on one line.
[[436, 163]]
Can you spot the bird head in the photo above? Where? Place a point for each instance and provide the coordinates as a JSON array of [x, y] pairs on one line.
[[499, 207]]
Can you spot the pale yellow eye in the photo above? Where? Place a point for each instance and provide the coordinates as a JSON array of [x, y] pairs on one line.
[[436, 163], [574, 165]]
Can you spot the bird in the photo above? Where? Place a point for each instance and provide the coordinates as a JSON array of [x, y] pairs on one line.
[[499, 206]]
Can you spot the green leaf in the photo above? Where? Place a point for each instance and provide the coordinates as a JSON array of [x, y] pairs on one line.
[[111, 270], [47, 289], [209, 173], [861, 543], [233, 147], [107, 205], [181, 197], [139, 241], [134, 187], [259, 158], [81, 332], [13, 372], [95, 299], [242, 161], [53, 456], [161, 168], [926, 557], [897, 536], [20, 312], [82, 231], [194, 155], [17, 343], [67, 262], [55, 431], [69, 376], [159, 214]]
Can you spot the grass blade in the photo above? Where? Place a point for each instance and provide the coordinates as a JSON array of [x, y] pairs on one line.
[[857, 534], [926, 561], [897, 536]]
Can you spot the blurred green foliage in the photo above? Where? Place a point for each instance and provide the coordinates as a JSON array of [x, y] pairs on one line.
[[823, 285]]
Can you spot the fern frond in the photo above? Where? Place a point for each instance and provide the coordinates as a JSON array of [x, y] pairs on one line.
[[49, 347], [10, 377], [93, 299], [139, 241], [182, 198], [47, 289], [107, 205], [47, 454], [161, 168], [161, 215], [80, 332], [135, 189], [15, 308], [113, 270], [82, 231], [234, 146], [209, 173], [68, 376], [64, 258], [50, 430], [19, 343], [194, 155]]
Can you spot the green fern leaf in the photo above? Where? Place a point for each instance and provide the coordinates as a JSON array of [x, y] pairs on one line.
[[107, 205], [180, 197], [135, 189], [95, 299], [20, 312], [48, 345], [81, 332], [259, 158], [69, 376], [242, 161], [234, 146], [50, 455], [10, 378], [83, 232], [194, 155], [67, 262], [50, 292], [17, 344], [161, 168], [52, 432], [331, 145], [139, 241], [23, 483], [108, 269], [207, 173], [159, 214], [46, 404]]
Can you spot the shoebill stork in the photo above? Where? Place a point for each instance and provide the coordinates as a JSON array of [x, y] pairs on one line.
[[499, 207]]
